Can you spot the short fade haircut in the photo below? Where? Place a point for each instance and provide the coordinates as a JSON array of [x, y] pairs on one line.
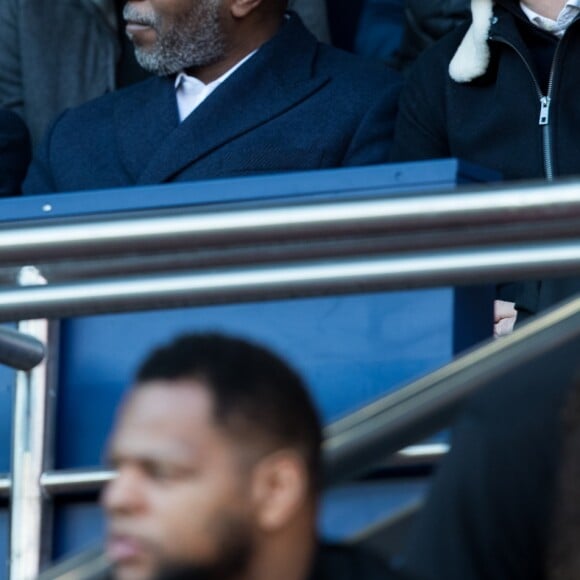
[[257, 397]]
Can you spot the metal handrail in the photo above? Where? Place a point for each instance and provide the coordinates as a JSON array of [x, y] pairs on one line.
[[31, 454], [90, 564], [19, 350], [427, 405], [297, 247], [146, 232], [91, 480], [291, 280]]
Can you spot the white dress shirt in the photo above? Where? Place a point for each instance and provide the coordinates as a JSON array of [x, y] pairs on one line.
[[191, 92], [556, 27]]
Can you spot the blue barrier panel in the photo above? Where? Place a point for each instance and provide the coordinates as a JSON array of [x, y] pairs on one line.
[[351, 349], [394, 179]]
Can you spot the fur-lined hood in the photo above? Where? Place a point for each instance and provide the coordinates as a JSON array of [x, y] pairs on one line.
[[472, 56]]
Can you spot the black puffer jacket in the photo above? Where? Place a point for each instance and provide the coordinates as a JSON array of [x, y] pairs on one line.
[[499, 120], [349, 562]]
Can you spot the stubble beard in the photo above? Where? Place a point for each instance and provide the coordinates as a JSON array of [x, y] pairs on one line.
[[195, 41], [235, 549]]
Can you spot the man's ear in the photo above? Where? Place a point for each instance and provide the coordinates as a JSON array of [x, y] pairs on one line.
[[280, 489], [241, 8]]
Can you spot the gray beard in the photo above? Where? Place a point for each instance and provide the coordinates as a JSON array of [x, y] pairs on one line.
[[195, 42]]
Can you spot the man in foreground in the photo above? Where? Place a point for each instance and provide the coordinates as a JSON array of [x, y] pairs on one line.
[[217, 449], [241, 88]]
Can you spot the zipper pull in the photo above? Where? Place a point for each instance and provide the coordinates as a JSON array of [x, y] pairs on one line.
[[545, 110]]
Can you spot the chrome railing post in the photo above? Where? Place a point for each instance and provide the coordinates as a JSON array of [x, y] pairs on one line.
[[32, 401]]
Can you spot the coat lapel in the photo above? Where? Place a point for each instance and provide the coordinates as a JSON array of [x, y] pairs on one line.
[[145, 117], [273, 81]]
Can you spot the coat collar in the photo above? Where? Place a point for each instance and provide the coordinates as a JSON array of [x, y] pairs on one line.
[[155, 147], [472, 57]]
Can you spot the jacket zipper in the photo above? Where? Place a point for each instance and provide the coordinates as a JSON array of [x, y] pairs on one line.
[[546, 103], [545, 107]]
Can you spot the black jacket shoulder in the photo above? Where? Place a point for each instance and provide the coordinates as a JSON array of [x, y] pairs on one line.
[[15, 152], [350, 562]]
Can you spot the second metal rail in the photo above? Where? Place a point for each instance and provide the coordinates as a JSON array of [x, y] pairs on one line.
[[289, 251]]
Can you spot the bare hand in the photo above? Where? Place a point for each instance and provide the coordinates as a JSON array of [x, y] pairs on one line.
[[504, 317]]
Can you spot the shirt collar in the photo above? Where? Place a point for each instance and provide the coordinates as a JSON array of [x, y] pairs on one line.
[[194, 81], [556, 27]]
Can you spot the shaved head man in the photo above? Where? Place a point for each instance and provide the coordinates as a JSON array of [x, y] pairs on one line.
[[217, 450]]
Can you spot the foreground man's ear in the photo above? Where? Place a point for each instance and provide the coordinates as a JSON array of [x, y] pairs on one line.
[[280, 489], [241, 8]]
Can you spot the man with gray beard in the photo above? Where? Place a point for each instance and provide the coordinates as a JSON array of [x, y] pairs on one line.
[[169, 42], [241, 88], [77, 50]]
